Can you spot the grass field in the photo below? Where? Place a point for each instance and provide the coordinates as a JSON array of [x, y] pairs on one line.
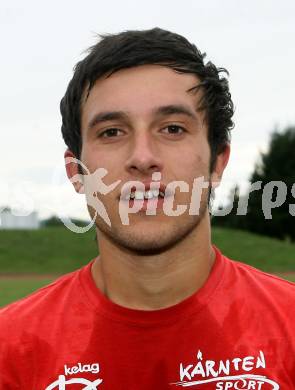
[[265, 253], [54, 250], [12, 289], [27, 255]]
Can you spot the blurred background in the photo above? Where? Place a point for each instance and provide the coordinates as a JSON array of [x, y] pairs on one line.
[[40, 44]]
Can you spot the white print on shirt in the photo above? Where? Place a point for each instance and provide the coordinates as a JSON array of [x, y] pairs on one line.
[[61, 383], [221, 373], [94, 368]]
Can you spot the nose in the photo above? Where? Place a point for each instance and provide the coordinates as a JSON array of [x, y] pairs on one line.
[[144, 157]]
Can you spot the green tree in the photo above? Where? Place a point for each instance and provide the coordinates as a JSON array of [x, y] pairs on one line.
[[268, 206], [269, 211]]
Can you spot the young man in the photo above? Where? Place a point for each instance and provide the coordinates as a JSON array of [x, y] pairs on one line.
[[160, 307]]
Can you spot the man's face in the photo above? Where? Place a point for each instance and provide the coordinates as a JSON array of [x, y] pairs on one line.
[[144, 135]]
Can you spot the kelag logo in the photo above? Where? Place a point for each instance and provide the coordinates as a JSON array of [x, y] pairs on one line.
[[61, 383]]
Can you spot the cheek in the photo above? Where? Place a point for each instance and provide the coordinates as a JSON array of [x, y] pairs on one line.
[[196, 166], [197, 152], [104, 171], [93, 159]]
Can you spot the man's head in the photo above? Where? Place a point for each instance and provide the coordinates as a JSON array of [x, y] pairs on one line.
[[156, 46], [144, 102]]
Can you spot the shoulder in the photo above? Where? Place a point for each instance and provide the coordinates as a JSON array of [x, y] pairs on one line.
[[29, 323], [40, 303], [261, 285], [251, 272]]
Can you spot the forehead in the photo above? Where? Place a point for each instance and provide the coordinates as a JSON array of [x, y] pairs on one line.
[[139, 90]]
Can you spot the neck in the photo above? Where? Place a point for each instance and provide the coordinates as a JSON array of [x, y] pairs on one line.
[[156, 281]]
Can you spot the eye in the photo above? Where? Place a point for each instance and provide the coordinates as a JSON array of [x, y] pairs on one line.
[[174, 129], [112, 132]]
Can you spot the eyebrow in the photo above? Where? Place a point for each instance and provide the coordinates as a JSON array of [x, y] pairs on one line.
[[107, 116], [159, 111], [175, 109]]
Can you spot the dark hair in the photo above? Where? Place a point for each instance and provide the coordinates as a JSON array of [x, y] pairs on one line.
[[156, 46]]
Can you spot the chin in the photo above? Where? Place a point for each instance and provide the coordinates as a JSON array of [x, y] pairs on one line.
[[149, 241], [146, 247]]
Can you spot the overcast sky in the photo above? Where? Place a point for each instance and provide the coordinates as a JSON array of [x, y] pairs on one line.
[[42, 41]]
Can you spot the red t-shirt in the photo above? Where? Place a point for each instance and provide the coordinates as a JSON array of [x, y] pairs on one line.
[[236, 332]]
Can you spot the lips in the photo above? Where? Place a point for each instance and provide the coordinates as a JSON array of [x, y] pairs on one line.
[[129, 187], [150, 194]]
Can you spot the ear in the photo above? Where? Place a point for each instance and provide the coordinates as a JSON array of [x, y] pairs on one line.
[[220, 165], [73, 173]]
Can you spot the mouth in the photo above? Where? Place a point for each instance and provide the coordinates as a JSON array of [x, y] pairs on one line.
[[140, 195], [150, 198]]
